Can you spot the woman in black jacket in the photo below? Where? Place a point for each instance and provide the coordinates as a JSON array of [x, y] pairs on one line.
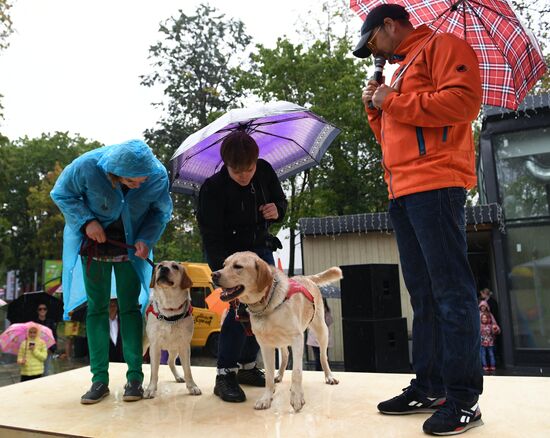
[[236, 207]]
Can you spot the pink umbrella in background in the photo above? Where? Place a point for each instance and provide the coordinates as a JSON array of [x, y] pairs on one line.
[[15, 334], [510, 59]]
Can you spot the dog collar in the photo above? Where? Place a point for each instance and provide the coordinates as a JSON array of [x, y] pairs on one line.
[[268, 293], [153, 308]]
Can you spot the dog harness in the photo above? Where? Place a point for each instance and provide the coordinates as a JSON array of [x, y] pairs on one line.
[[297, 288], [153, 308]]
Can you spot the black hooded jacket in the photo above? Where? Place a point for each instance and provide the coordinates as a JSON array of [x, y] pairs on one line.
[[228, 215]]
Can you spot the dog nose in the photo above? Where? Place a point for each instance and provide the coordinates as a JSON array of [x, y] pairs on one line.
[[164, 269], [216, 276]]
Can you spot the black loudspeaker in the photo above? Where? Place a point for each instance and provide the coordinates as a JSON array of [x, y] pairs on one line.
[[376, 345], [370, 291]]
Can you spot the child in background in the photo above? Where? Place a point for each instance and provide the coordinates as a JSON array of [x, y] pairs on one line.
[[489, 330], [32, 355]]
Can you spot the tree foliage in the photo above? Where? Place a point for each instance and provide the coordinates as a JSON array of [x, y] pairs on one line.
[[196, 62], [31, 226]]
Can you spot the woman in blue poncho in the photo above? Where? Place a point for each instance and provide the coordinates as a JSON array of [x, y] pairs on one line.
[[116, 193]]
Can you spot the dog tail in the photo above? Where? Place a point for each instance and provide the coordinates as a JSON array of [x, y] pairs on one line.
[[326, 277]]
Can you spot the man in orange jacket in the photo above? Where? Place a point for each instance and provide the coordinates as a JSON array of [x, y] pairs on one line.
[[423, 124]]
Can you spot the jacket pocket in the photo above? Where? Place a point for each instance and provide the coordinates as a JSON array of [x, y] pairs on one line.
[[445, 134], [421, 141]]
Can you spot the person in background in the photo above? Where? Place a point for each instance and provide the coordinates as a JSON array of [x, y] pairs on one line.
[[116, 205], [486, 295], [314, 343], [32, 355], [423, 122], [236, 207], [489, 331], [42, 318]]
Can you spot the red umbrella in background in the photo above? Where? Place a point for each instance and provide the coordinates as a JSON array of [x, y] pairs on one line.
[[510, 59]]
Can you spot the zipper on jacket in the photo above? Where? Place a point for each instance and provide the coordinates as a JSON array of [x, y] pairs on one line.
[[445, 133], [421, 142], [390, 174]]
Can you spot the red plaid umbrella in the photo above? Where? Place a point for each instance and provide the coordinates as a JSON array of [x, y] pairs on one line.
[[510, 59]]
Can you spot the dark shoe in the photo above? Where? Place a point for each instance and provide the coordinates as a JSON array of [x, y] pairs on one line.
[[452, 419], [133, 391], [252, 377], [410, 401], [97, 392], [228, 389]]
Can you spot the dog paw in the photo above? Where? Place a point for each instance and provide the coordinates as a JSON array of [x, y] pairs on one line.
[[180, 379], [263, 403], [194, 390], [278, 378], [297, 400], [331, 380], [149, 393]]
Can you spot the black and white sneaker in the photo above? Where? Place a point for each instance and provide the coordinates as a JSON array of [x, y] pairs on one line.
[[97, 392], [452, 419], [410, 401]]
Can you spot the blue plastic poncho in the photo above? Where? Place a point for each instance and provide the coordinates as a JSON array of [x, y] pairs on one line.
[[83, 192]]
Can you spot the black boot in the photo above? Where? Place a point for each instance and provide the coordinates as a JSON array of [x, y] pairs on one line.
[[228, 389]]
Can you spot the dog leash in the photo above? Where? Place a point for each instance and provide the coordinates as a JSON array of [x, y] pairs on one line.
[[90, 247]]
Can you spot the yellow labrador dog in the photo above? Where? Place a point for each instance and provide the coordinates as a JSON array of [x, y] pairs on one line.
[[170, 324], [280, 309]]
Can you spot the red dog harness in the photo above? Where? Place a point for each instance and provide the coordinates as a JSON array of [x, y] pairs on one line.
[[297, 288]]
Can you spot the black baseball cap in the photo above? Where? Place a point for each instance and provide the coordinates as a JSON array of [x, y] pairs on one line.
[[374, 19]]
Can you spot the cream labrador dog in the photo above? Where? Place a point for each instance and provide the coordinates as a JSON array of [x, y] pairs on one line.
[[280, 309], [169, 324]]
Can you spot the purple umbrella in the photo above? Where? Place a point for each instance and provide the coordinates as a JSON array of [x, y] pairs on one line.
[[290, 137]]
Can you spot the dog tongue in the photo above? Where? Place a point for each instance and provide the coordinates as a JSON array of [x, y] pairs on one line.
[[230, 290]]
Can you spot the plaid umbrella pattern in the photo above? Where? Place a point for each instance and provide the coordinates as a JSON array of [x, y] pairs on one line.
[[510, 59]]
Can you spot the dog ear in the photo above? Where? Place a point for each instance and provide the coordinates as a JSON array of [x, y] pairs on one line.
[[265, 277], [153, 278], [185, 282]]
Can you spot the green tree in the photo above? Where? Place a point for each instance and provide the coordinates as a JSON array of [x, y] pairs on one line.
[[196, 62], [48, 242], [26, 163]]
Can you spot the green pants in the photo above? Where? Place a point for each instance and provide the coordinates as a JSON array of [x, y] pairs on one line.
[[98, 292]]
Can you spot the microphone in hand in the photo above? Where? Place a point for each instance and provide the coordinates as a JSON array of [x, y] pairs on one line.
[[379, 62]]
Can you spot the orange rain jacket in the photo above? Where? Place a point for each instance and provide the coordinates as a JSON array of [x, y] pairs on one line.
[[425, 129]]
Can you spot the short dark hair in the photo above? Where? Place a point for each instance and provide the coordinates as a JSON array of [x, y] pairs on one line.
[[239, 150]]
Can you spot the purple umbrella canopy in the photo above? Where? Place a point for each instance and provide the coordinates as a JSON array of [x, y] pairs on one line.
[[290, 137]]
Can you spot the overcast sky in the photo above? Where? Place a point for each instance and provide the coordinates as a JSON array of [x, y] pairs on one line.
[[74, 65]]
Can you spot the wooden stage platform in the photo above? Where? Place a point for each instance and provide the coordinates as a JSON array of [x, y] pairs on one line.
[[511, 407]]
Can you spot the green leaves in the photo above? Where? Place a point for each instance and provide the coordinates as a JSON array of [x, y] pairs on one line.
[[32, 226]]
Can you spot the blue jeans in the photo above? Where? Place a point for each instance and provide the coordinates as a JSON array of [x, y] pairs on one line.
[[431, 237], [488, 351], [235, 347]]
